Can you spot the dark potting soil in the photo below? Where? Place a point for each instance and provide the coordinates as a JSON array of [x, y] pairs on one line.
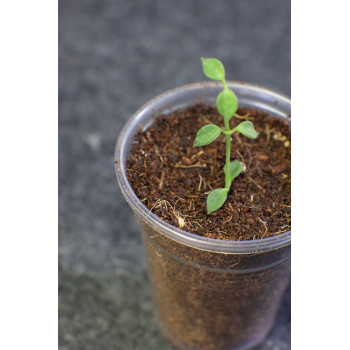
[[173, 179]]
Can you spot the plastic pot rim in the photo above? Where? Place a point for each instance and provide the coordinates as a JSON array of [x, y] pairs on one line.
[[173, 232]]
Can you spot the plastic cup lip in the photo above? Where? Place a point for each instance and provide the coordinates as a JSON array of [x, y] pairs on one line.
[[172, 232]]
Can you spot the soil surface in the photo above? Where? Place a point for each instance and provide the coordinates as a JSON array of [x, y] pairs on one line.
[[173, 179]]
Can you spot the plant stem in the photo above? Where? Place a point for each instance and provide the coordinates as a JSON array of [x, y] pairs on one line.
[[228, 151]]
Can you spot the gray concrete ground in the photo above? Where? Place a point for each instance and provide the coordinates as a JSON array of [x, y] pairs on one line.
[[113, 57]]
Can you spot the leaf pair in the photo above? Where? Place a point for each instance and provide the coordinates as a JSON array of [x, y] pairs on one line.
[[209, 133], [226, 102]]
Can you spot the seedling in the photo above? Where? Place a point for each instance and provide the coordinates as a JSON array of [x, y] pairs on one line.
[[227, 104]]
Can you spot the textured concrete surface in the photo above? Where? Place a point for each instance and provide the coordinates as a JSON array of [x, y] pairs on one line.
[[114, 55]]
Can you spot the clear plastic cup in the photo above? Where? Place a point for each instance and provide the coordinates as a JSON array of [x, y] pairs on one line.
[[209, 294]]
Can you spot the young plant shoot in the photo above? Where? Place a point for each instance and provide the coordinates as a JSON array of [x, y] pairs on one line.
[[227, 104]]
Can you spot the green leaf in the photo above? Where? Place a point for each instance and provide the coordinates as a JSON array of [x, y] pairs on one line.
[[234, 169], [213, 68], [247, 129], [206, 135], [216, 199], [227, 103]]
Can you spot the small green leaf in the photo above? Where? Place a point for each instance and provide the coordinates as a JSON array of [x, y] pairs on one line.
[[234, 169], [227, 103], [216, 199], [247, 129], [213, 68], [206, 135]]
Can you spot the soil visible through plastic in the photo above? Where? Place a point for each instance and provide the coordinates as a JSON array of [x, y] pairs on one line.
[[173, 179]]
